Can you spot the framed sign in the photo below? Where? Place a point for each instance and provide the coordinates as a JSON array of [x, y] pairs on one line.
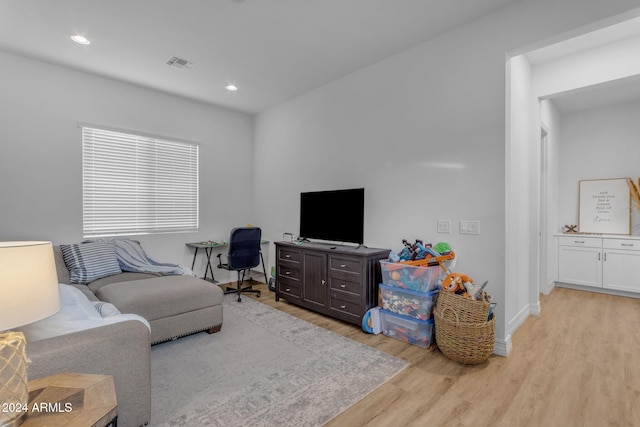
[[605, 206]]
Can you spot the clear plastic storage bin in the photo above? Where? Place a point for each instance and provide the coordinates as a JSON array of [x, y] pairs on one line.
[[418, 305], [423, 279], [407, 329]]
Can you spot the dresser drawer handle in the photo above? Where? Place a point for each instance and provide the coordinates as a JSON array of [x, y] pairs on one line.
[[626, 244], [288, 290], [578, 241], [343, 307], [343, 265], [287, 273], [287, 256], [343, 286]]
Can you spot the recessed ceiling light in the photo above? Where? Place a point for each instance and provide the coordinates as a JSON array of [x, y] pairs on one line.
[[231, 87], [80, 39]]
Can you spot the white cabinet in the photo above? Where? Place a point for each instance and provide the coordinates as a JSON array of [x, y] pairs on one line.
[[580, 261], [621, 261], [600, 262]]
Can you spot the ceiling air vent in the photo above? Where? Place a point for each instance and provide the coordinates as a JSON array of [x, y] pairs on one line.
[[180, 63]]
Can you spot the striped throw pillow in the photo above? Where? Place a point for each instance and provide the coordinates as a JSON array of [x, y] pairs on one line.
[[90, 261]]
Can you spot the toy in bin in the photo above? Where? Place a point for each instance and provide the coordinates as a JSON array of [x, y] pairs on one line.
[[407, 329], [406, 302], [420, 251], [418, 267], [406, 276]]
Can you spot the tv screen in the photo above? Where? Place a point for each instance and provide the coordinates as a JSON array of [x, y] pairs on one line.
[[336, 215]]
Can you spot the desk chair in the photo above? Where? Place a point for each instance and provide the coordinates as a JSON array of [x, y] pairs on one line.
[[243, 255]]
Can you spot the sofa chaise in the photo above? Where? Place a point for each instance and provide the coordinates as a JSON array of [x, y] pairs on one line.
[[174, 305]]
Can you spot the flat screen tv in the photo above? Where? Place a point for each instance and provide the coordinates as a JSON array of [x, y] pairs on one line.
[[336, 215]]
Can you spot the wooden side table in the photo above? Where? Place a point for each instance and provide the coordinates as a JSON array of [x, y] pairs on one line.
[[69, 400]]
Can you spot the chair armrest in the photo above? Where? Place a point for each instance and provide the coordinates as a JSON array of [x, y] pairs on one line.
[[122, 350], [220, 263]]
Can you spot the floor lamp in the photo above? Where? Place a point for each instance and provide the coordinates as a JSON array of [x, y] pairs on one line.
[[28, 292]]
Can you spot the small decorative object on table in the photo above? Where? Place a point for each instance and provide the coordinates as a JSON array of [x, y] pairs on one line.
[[570, 229]]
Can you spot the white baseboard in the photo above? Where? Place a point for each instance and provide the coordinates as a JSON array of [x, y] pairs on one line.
[[549, 287], [519, 319], [502, 347], [534, 309]]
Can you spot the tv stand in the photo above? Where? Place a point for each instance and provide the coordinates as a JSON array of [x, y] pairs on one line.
[[339, 281]]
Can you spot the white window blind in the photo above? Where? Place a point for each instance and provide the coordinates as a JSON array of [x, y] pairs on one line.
[[134, 184]]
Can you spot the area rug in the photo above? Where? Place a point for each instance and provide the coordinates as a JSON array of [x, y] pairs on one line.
[[265, 368]]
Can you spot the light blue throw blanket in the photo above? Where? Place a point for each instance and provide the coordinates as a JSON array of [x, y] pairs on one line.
[[132, 257]]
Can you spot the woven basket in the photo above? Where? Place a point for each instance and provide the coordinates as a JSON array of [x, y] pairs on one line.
[[463, 333], [466, 343], [464, 310]]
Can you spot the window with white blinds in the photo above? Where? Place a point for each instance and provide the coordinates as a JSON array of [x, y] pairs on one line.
[[135, 184]]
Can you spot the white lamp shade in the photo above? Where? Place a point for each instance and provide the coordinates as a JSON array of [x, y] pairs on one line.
[[28, 283]]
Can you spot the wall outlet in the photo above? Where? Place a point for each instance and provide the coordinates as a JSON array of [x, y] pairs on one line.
[[444, 226], [469, 227]]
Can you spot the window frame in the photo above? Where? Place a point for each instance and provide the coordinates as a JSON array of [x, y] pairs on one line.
[[135, 183]]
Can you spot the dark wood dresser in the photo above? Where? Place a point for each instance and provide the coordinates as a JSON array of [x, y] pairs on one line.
[[339, 281]]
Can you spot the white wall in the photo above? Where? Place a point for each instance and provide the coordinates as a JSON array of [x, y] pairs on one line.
[[520, 198], [41, 167], [598, 143], [423, 132], [550, 119]]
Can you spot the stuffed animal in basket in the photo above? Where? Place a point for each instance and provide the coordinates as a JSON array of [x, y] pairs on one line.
[[461, 284], [455, 283]]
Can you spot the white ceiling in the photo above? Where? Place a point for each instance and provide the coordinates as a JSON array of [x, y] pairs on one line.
[[272, 50], [600, 95]]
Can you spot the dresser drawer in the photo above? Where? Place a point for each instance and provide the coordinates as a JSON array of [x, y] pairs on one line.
[[287, 271], [580, 241], [288, 288], [345, 264], [346, 285], [346, 303], [292, 255], [621, 244]]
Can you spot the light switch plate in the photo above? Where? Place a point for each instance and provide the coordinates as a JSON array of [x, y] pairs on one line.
[[469, 226], [444, 226]]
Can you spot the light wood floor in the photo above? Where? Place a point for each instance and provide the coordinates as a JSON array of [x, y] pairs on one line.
[[577, 364]]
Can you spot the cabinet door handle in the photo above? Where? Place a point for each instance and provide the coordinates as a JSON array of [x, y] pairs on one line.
[[598, 256], [605, 256], [323, 281]]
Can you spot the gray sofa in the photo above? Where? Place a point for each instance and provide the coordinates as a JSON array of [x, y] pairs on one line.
[[121, 350], [173, 306]]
